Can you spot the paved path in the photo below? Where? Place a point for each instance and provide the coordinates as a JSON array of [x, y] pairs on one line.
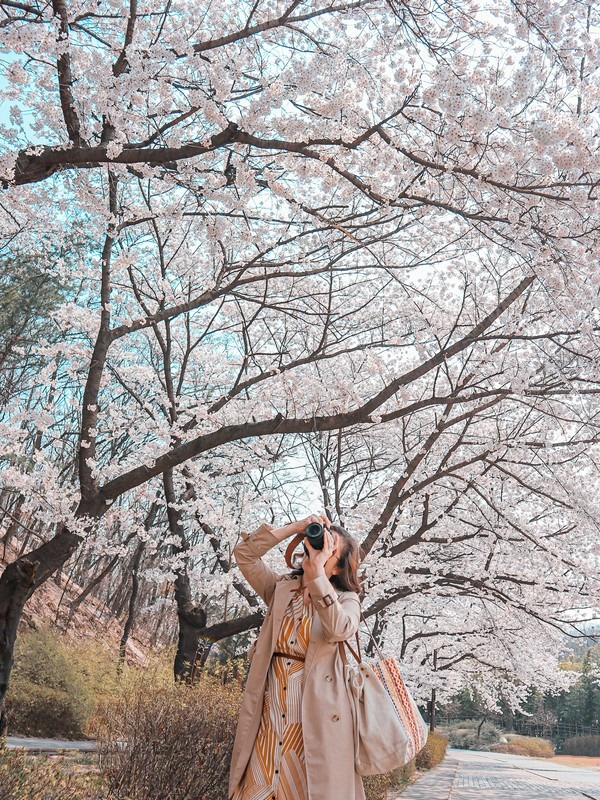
[[469, 775], [47, 745]]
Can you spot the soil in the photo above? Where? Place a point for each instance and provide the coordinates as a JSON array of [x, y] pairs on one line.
[[589, 762], [50, 606]]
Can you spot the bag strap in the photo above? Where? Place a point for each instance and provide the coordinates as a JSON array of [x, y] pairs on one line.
[[289, 552], [379, 653], [358, 655]]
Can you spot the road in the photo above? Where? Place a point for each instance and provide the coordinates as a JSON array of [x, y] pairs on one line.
[[469, 775], [47, 745]]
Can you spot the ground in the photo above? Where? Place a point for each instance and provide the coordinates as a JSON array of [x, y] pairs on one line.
[[469, 775]]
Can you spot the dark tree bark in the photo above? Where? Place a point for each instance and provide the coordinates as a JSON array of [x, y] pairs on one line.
[[135, 585], [19, 579], [192, 650], [15, 521], [17, 583], [433, 697], [191, 653]]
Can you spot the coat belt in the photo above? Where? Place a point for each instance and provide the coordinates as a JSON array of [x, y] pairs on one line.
[[289, 655]]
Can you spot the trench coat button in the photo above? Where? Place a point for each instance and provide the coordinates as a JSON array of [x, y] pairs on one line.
[[335, 718], [328, 678]]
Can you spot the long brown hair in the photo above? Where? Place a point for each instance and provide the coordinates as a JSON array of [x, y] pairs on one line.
[[347, 579]]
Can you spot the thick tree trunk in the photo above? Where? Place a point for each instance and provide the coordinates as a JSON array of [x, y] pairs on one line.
[[508, 717], [17, 583], [191, 650], [195, 638]]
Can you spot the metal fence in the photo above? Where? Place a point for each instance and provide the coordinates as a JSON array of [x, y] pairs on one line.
[[557, 732]]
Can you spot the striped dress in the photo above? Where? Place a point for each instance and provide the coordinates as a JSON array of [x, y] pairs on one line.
[[276, 769]]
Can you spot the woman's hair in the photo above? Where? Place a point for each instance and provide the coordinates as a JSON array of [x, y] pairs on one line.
[[347, 578]]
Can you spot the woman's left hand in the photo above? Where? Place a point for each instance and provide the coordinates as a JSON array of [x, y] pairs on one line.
[[313, 564]]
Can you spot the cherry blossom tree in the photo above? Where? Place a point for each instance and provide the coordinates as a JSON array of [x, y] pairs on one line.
[[361, 236]]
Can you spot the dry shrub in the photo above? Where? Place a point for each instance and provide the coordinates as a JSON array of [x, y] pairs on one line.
[[434, 751], [508, 749], [48, 695], [377, 786], [581, 746], [403, 775], [525, 746], [25, 777], [165, 741]]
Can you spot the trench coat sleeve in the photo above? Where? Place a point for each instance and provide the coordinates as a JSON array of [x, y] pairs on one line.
[[339, 616], [248, 558]]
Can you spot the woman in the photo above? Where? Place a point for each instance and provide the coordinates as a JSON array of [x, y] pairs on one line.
[[294, 739]]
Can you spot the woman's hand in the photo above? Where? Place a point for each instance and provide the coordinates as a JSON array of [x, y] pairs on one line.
[[321, 519], [294, 528], [314, 563]]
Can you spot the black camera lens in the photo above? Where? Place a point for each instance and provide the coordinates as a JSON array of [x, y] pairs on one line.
[[315, 533]]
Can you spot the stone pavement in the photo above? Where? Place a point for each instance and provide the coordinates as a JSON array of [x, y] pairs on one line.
[[469, 775]]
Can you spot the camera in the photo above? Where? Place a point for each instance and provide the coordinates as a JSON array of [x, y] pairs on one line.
[[315, 533]]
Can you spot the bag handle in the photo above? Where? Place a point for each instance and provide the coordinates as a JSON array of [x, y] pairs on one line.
[[358, 656], [356, 653], [371, 637]]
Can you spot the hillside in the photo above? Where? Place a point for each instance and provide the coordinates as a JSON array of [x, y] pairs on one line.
[[51, 606]]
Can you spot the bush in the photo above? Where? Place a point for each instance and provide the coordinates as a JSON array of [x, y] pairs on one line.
[[471, 734], [48, 695], [26, 778], [581, 746], [162, 741], [434, 751], [39, 711], [403, 775], [377, 786], [525, 746]]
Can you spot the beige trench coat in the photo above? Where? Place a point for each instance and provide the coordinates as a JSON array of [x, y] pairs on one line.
[[326, 716]]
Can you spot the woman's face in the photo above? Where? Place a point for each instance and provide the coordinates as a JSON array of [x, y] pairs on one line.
[[335, 545], [332, 566]]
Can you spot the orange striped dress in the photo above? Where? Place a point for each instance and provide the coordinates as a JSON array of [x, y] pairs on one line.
[[276, 769]]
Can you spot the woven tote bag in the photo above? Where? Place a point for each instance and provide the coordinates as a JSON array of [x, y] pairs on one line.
[[389, 731]]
